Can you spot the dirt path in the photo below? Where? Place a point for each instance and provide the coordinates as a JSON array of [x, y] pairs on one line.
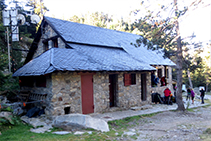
[[174, 126]]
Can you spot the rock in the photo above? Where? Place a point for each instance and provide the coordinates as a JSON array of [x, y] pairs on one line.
[[62, 132], [18, 111], [89, 132], [133, 130], [78, 133], [6, 115], [129, 133], [41, 129], [35, 122], [79, 121]]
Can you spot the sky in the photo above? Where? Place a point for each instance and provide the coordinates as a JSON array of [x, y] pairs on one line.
[[198, 22]]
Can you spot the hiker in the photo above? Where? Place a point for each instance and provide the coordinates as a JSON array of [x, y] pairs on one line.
[[192, 96], [154, 80], [167, 93], [202, 95], [188, 94], [163, 81]]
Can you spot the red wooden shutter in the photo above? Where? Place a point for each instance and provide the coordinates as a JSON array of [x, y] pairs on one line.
[[127, 79]]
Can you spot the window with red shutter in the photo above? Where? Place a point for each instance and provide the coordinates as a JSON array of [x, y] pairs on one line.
[[127, 79]]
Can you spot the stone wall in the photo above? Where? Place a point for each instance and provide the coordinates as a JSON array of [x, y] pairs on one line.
[[129, 96], [66, 93], [48, 33], [126, 96], [101, 92]]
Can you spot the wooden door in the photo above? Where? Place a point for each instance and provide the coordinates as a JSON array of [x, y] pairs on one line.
[[87, 93], [143, 87]]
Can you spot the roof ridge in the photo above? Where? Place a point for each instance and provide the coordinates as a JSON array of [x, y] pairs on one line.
[[93, 26]]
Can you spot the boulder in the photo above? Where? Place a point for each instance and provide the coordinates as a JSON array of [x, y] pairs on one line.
[[6, 115], [35, 122], [80, 121]]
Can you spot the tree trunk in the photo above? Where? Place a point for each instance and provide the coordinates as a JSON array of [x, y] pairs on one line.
[[189, 78], [179, 99]]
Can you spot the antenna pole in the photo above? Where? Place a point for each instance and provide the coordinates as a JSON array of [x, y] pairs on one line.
[[8, 46]]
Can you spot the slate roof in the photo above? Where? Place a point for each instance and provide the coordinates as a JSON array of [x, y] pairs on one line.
[[83, 58], [86, 34], [93, 49]]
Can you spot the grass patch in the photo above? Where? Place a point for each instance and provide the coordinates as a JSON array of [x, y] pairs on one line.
[[21, 132], [123, 123]]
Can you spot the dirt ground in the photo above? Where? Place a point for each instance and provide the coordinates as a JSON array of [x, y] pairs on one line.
[[175, 126]]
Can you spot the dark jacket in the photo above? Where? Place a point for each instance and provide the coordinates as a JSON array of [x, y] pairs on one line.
[[202, 92]]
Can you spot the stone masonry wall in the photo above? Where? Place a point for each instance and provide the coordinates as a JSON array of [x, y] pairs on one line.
[[101, 92], [49, 32], [129, 96], [126, 96], [66, 92]]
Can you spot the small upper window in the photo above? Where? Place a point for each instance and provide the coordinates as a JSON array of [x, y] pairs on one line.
[[45, 46], [129, 79], [55, 42]]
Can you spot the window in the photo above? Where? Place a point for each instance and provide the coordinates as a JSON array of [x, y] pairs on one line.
[[133, 78], [41, 81], [129, 79], [45, 46], [55, 42], [159, 73]]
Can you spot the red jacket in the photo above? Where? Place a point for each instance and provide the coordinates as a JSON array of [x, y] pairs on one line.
[[167, 92]]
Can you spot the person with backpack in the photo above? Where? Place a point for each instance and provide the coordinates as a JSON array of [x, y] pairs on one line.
[[167, 93]]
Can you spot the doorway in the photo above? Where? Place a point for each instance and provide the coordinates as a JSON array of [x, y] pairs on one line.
[[143, 87], [113, 89], [87, 93]]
